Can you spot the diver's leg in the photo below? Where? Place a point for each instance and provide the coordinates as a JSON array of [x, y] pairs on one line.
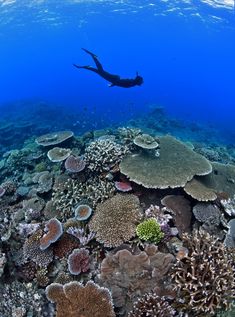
[[95, 58], [86, 67]]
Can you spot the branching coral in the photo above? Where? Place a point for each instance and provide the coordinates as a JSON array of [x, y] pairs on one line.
[[204, 279], [68, 192], [74, 299], [101, 155], [150, 304], [150, 230], [115, 220]]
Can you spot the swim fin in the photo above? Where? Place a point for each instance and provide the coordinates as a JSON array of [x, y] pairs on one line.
[[88, 52]]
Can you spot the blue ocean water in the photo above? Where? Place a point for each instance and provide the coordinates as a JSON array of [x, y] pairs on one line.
[[183, 49]]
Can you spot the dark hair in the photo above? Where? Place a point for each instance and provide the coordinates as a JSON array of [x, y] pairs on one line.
[[139, 80]]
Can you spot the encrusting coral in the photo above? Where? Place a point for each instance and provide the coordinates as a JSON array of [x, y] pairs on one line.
[[75, 300], [115, 219], [204, 279]]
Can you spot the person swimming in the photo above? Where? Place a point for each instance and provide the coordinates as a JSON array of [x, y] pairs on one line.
[[114, 80]]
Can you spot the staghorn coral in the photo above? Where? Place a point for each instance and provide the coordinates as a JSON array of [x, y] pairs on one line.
[[68, 192], [149, 230], [176, 165], [103, 154], [152, 305], [115, 219], [204, 279], [73, 299], [129, 276]]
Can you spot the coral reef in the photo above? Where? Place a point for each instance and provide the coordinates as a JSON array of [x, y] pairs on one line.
[[115, 219], [74, 299], [204, 279]]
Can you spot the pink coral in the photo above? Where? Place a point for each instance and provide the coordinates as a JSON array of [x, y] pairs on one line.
[[123, 186], [54, 231]]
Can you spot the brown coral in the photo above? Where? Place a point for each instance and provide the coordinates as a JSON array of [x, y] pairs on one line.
[[115, 220], [130, 275], [75, 300], [205, 278]]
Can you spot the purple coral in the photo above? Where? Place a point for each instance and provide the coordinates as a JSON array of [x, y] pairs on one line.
[[78, 261], [74, 164], [80, 234]]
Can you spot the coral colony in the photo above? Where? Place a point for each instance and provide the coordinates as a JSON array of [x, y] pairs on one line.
[[120, 223]]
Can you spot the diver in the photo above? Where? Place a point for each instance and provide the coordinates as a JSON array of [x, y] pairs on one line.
[[114, 80]]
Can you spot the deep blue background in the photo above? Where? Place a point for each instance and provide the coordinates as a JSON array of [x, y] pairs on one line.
[[187, 61]]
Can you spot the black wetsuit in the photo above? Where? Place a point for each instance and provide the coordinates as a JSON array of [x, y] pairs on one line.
[[115, 80]]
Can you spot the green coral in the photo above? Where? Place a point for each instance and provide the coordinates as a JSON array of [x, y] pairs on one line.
[[149, 230]]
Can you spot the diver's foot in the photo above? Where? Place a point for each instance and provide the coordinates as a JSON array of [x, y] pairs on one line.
[[88, 52]]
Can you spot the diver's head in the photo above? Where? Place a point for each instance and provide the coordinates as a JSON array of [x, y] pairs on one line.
[[139, 80]]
